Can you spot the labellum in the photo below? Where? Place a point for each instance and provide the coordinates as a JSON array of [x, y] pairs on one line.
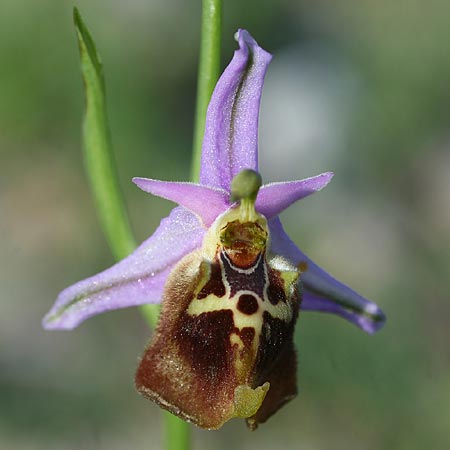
[[223, 347]]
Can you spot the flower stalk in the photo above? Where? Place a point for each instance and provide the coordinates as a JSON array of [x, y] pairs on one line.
[[208, 73]]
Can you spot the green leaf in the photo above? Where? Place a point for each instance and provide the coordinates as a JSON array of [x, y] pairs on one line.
[[98, 155], [87, 46], [99, 159]]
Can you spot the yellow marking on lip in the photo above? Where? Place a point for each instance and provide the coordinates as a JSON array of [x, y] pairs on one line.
[[236, 340], [243, 359], [282, 310]]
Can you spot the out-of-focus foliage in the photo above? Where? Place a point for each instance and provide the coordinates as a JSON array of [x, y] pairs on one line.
[[360, 88]]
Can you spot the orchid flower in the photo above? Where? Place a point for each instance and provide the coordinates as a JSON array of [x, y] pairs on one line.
[[223, 243]]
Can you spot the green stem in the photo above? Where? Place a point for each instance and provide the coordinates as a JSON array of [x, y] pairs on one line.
[[178, 433], [208, 73]]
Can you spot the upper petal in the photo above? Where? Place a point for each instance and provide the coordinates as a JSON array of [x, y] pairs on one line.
[[274, 198], [205, 201], [321, 291], [135, 280], [230, 143]]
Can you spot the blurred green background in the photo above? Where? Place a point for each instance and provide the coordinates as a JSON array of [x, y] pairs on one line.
[[361, 88]]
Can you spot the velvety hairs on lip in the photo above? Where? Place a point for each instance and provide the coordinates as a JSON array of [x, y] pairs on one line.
[[230, 280]]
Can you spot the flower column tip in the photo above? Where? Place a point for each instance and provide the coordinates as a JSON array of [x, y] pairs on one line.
[[245, 185]]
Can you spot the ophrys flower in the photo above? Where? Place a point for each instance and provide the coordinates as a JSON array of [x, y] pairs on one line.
[[222, 268]]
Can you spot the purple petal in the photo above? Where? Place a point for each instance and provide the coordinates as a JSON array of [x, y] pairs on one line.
[[274, 198], [314, 302], [205, 201], [321, 291], [230, 143], [136, 280]]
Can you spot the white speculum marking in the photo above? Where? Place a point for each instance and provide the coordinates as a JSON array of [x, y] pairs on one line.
[[282, 310]]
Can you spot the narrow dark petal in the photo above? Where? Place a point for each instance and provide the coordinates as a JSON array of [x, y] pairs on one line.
[[274, 198], [136, 280], [206, 202], [322, 292], [230, 143]]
